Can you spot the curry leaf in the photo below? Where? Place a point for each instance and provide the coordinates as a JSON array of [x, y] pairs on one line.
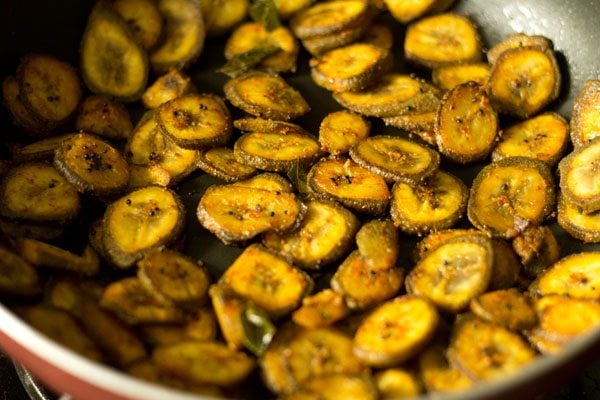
[[248, 60], [265, 13], [258, 329]]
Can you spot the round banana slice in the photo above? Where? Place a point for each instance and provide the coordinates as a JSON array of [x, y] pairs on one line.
[[267, 181], [377, 242], [329, 17], [450, 76], [321, 310], [407, 11], [267, 126], [220, 162], [420, 124], [579, 178], [321, 44], [145, 19], [21, 116], [104, 117], [578, 224], [336, 386], [341, 130], [563, 319], [379, 35], [538, 249], [508, 308], [438, 374], [515, 41], [288, 8], [577, 276], [174, 83], [397, 383], [585, 121]]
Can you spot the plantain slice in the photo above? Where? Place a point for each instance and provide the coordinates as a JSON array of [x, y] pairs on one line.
[[17, 276], [515, 41], [453, 273], [395, 159], [434, 239], [171, 277], [204, 362], [449, 76], [509, 195], [442, 40], [341, 130], [576, 276], [321, 309], [336, 386], [40, 150], [485, 351], [397, 383], [42, 254], [220, 162], [585, 121], [147, 175], [174, 83], [148, 146], [407, 11], [524, 80], [139, 222], [287, 8], [466, 127], [438, 202], [101, 116], [228, 308], [438, 374], [377, 242], [345, 181], [395, 94], [364, 286], [350, 68], [265, 95], [379, 35], [92, 165], [538, 249], [21, 116], [395, 331], [580, 225], [323, 43], [144, 18], [324, 235], [267, 181], [202, 326], [184, 35], [508, 308], [113, 63], [224, 15], [266, 125], [330, 17], [579, 182], [267, 280], [38, 193], [419, 124], [39, 231]]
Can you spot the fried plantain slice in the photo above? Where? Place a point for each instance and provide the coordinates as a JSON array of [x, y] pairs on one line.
[[92, 165], [407, 11], [395, 94], [485, 351], [377, 242], [17, 276], [508, 308], [174, 83], [456, 271], [580, 225], [144, 18], [287, 8], [509, 195], [466, 126], [336, 386], [104, 117], [42, 254], [147, 175], [330, 17], [265, 95], [224, 15], [202, 326], [139, 222], [395, 331], [515, 41], [345, 181], [21, 116], [437, 202], [321, 309], [438, 374], [364, 286], [204, 362], [184, 35], [379, 35], [148, 146], [113, 62], [442, 40], [40, 150], [585, 121], [221, 163], [576, 276], [39, 231], [579, 182], [350, 68], [341, 130], [449, 76], [323, 43], [524, 80], [267, 181], [396, 159], [228, 308], [397, 383], [538, 249], [419, 124], [38, 193], [266, 126], [324, 235], [267, 280]]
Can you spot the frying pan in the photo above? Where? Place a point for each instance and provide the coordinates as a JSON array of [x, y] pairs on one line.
[[55, 27]]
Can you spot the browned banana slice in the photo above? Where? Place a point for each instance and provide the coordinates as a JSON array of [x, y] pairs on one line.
[[364, 286], [267, 181], [17, 277], [275, 151], [395, 331], [144, 18], [38, 193], [321, 44], [466, 127], [544, 137], [341, 130], [251, 34], [265, 95], [174, 83], [336, 386], [329, 17], [437, 202], [351, 68], [379, 35], [577, 276], [455, 272], [434, 239], [585, 121], [450, 76], [46, 255], [267, 280], [224, 15], [395, 94], [266, 125], [228, 309], [420, 124], [113, 63], [130, 300], [485, 351], [172, 277], [395, 158], [221, 163], [377, 243], [41, 150], [202, 326], [204, 362], [287, 8], [524, 80], [92, 165], [39, 231], [104, 117], [320, 310], [515, 41], [579, 178], [347, 182], [538, 249], [578, 224], [184, 35], [397, 383], [438, 374], [22, 117], [324, 235], [148, 146], [48, 87], [141, 221], [441, 40], [147, 175], [508, 308], [509, 195], [406, 11]]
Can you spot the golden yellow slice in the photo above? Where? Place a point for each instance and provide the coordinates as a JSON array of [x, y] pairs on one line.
[[537, 248], [341, 130], [40, 150], [318, 45], [42, 254], [172, 84], [104, 117], [438, 374], [220, 162], [146, 175], [508, 308], [22, 117], [397, 383], [266, 125], [579, 179], [449, 76], [228, 308], [577, 276], [17, 277], [419, 124], [379, 35], [329, 17], [321, 309], [267, 181], [377, 242], [336, 386], [585, 121], [515, 41], [223, 15], [287, 8], [580, 225], [144, 18]]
